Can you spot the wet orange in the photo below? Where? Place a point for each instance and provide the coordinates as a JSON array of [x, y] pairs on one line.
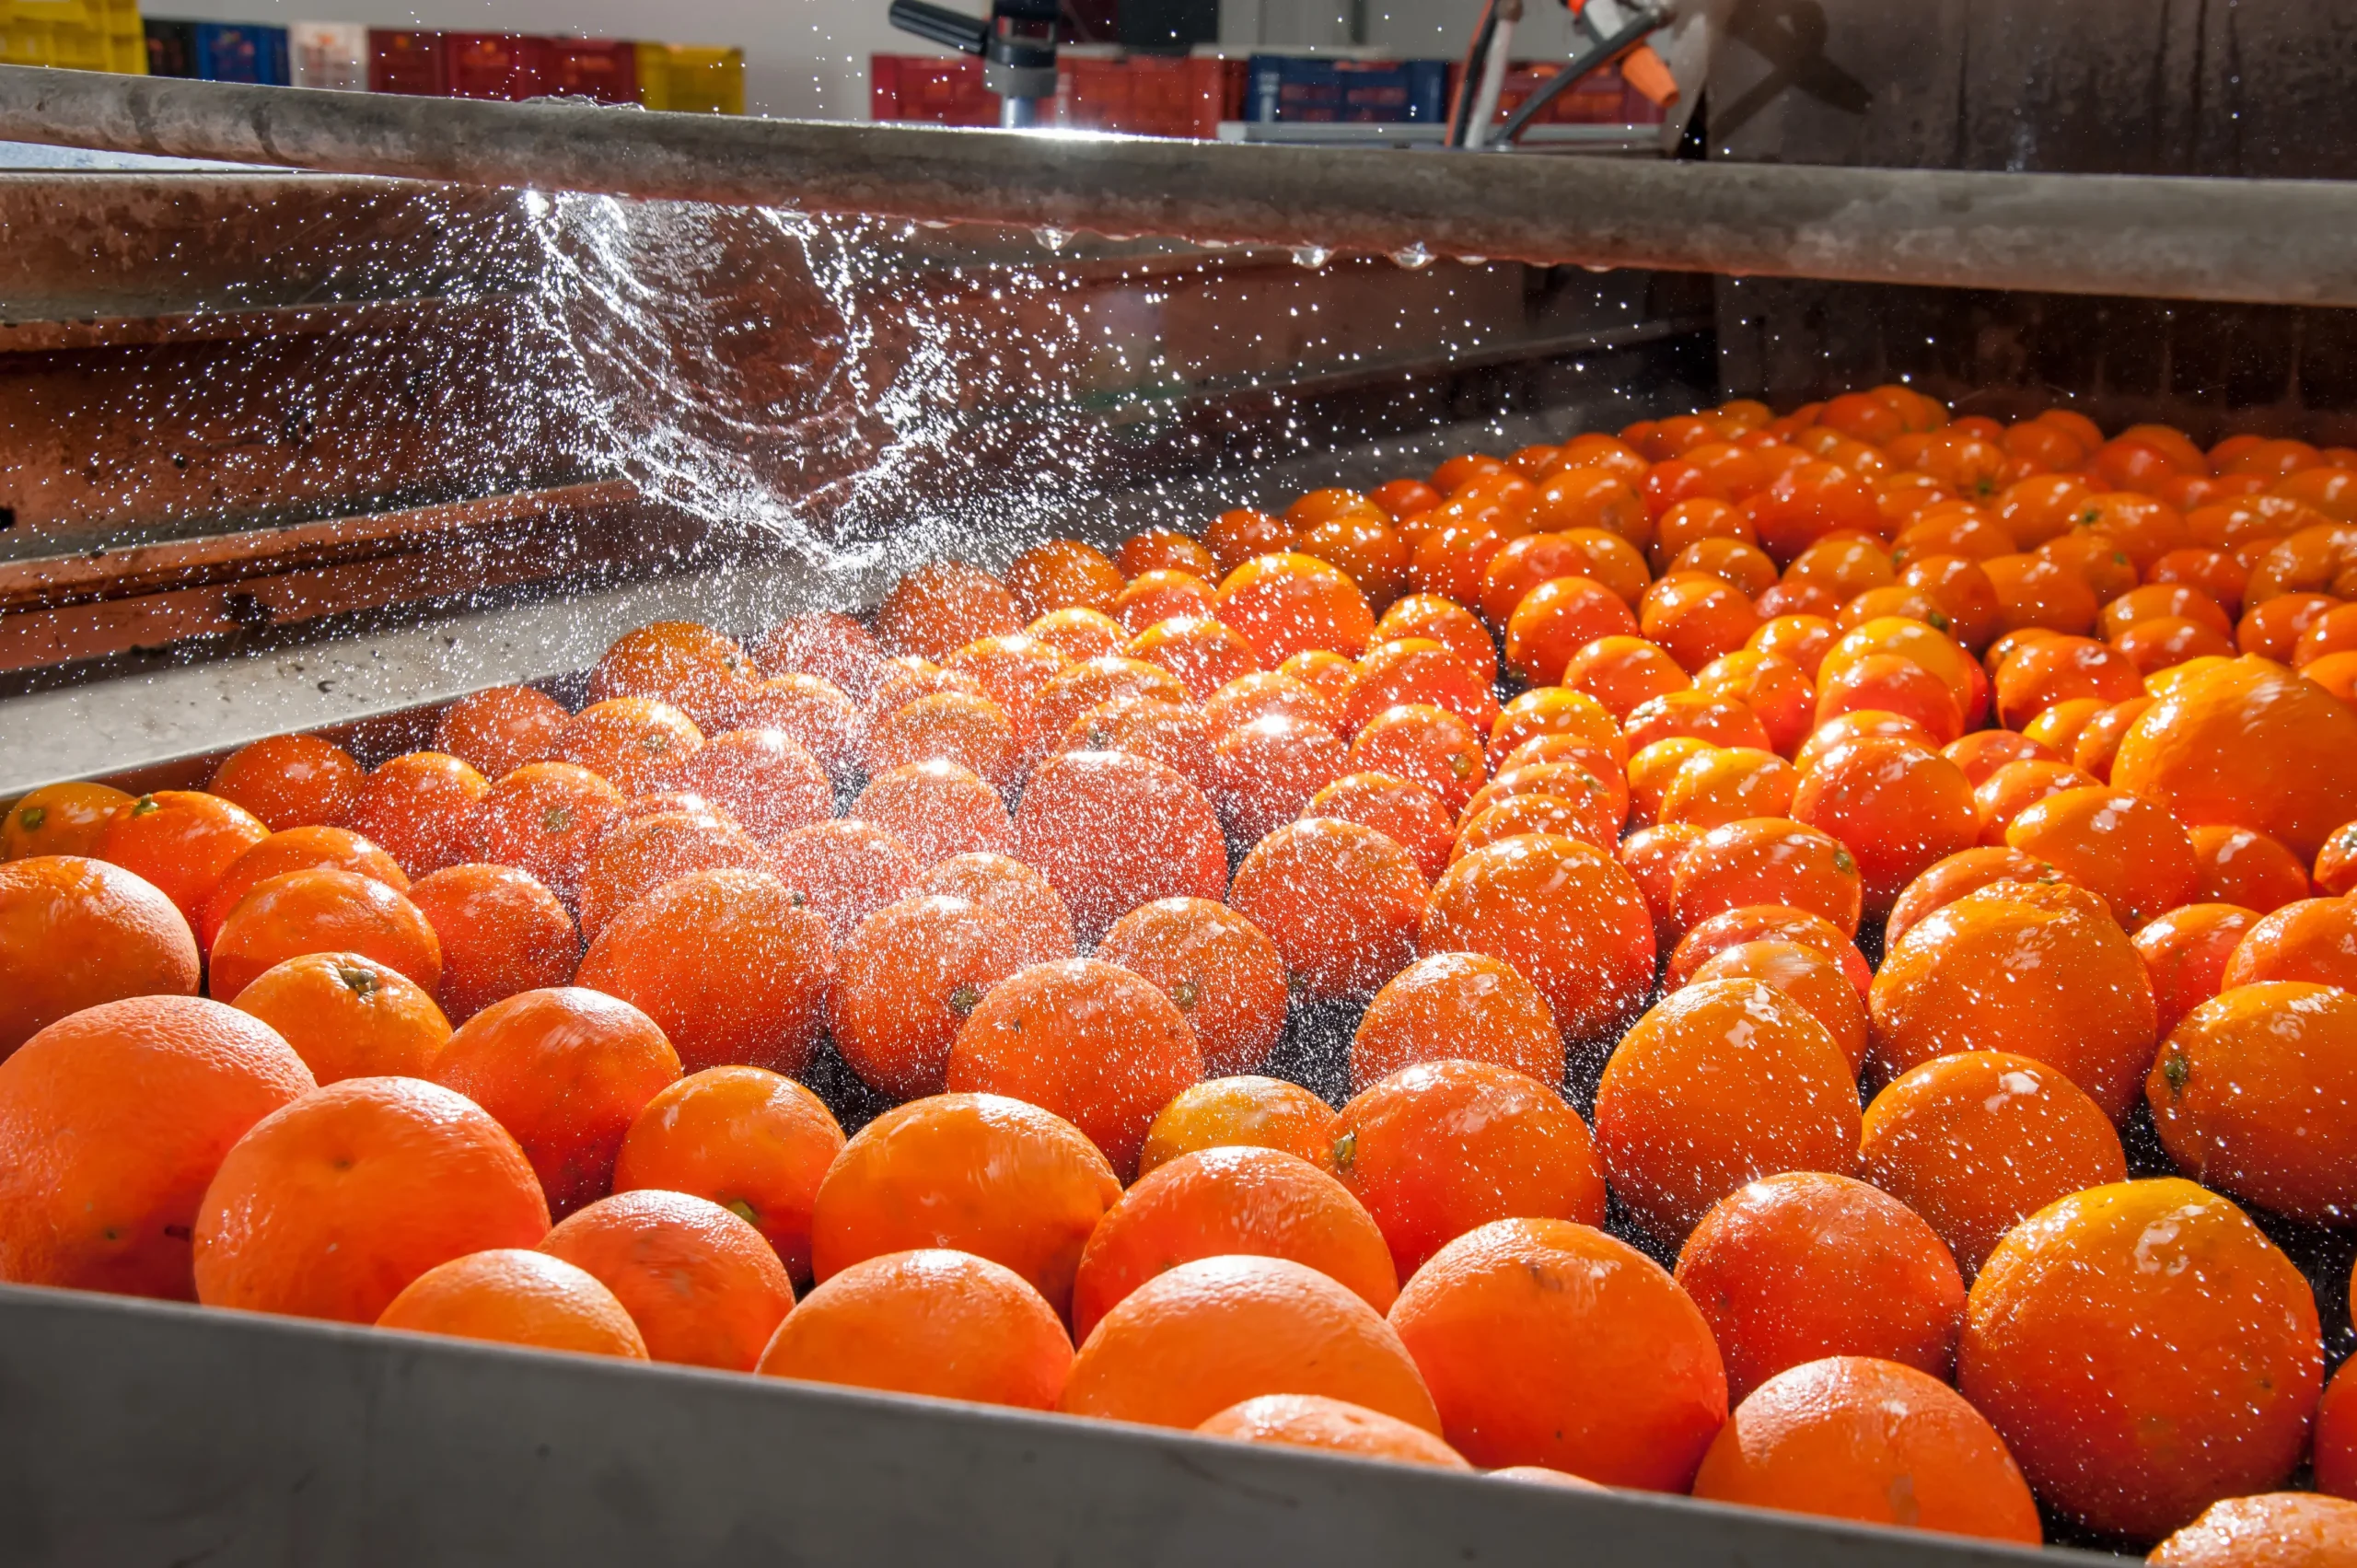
[[321, 911], [1284, 604], [1063, 573], [2236, 865], [937, 809], [930, 1321], [509, 1295], [1245, 1111], [2250, 745], [1896, 809], [1340, 903], [60, 818], [1409, 813], [701, 1285], [753, 1142], [1265, 773], [418, 807], [2133, 852], [2255, 1095], [1442, 620], [825, 644], [632, 743], [1200, 653], [1163, 550], [2275, 1529], [348, 1016], [1415, 670], [294, 849], [1036, 925], [941, 606], [1809, 977], [1217, 968], [1565, 916], [290, 781], [501, 931], [1237, 535], [180, 841], [641, 857], [905, 984], [2314, 939], [1768, 860], [843, 871], [1456, 1006], [75, 933], [690, 666], [1313, 1420], [1111, 831]]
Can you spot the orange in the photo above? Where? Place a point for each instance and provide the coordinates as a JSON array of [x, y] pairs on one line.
[[1283, 604], [2014, 787], [500, 729], [941, 606], [1553, 709], [1982, 752], [290, 781], [1361, 543], [1743, 567], [1867, 724], [1805, 974], [1888, 683], [1722, 721], [1201, 653], [321, 911], [814, 713], [1436, 1149], [1696, 618], [546, 818], [689, 666], [1772, 687], [727, 962], [1037, 925], [754, 1142], [2186, 952], [1556, 619], [2236, 865], [1340, 903], [764, 778], [1159, 549], [1805, 639], [1240, 1111], [2255, 1095], [1408, 814], [2143, 1351], [182, 841], [832, 646], [509, 1295], [1079, 633], [1768, 860], [1178, 737], [566, 1071], [2276, 1529], [501, 931], [1944, 881], [329, 1206], [701, 1286], [2097, 743], [1961, 591], [1090, 1042], [59, 818], [970, 731], [1230, 1202], [1433, 619], [2248, 744], [1584, 781], [2040, 970], [418, 807], [1435, 748], [2033, 590], [1804, 1265], [1978, 1142], [1456, 1005], [1111, 831], [1896, 809], [1568, 918], [1327, 673], [2127, 849], [1521, 566], [1548, 1343], [1722, 1082], [1218, 968], [641, 856], [1622, 673], [1268, 695], [1764, 923], [1237, 535], [843, 871], [294, 849], [1809, 501], [111, 1122], [1209, 1333], [2335, 1450], [2335, 870], [1162, 596], [981, 1173], [932, 1322], [2314, 939], [348, 1016], [1061, 575], [904, 983], [1012, 672], [75, 933], [937, 809], [1264, 773], [1312, 1421], [631, 742], [1873, 1440]]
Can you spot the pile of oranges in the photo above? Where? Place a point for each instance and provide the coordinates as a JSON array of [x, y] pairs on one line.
[[1748, 893]]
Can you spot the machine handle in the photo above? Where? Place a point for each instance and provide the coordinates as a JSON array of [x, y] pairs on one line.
[[969, 34]]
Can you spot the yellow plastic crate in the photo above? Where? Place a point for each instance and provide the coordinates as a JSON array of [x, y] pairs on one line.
[[84, 35], [688, 78]]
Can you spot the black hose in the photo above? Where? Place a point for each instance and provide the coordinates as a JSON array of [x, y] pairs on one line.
[[1460, 108]]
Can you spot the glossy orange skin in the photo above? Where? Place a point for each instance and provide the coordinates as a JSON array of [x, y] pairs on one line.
[[501, 931], [1870, 1440], [1268, 695], [1037, 924], [1696, 618], [1768, 860], [1228, 1201], [59, 818], [1984, 751], [2255, 1095], [1200, 653], [753, 1142], [1360, 543], [1266, 771], [937, 809], [1558, 618], [981, 1173], [1417, 670], [1809, 977], [1237, 535], [641, 857], [1803, 639], [1898, 810], [957, 727], [1456, 1006], [1521, 566], [2014, 787], [321, 911], [2035, 591], [1443, 620], [1080, 634], [764, 778], [75, 933], [1012, 671], [1163, 550], [2314, 939], [1888, 683], [1722, 721], [632, 743], [331, 1205], [844, 871], [349, 1018], [2123, 846], [930, 1321], [1408, 814], [1586, 781], [727, 962], [2274, 1529], [1764, 923], [1312, 1421], [1944, 881], [2097, 742], [1653, 768], [2247, 744], [2335, 1450], [2143, 1351], [1429, 745], [112, 1121], [701, 1286], [1963, 592], [1567, 916], [2236, 865], [2186, 952], [181, 842], [2335, 870], [1622, 673], [1244, 1111], [1111, 831], [689, 666], [290, 781], [417, 808], [1214, 1331], [1060, 574], [1340, 903], [2039, 971], [1548, 1343], [509, 1295], [1673, 1147], [904, 983], [1178, 737], [2272, 628], [294, 849], [1219, 970], [941, 606], [1803, 1265], [1807, 501], [547, 819], [1518, 816], [1284, 604], [831, 646]]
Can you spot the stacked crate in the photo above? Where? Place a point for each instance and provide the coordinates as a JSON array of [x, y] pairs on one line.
[[84, 35], [681, 77], [1097, 89]]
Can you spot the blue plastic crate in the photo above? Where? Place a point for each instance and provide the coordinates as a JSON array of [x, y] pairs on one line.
[[240, 51], [1306, 88]]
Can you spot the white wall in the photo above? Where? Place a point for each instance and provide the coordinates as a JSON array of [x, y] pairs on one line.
[[808, 58]]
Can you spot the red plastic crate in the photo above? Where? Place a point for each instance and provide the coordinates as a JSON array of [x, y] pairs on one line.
[[600, 68], [414, 63], [935, 89], [498, 65], [1600, 99], [1150, 95]]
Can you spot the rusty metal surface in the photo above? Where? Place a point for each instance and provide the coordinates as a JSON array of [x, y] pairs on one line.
[[2264, 241]]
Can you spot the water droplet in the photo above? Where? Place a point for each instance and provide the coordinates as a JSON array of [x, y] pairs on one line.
[[1053, 239], [1475, 260], [1311, 256], [1414, 256]]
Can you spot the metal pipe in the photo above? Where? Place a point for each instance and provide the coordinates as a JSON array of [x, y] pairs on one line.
[[1495, 61], [2254, 240]]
